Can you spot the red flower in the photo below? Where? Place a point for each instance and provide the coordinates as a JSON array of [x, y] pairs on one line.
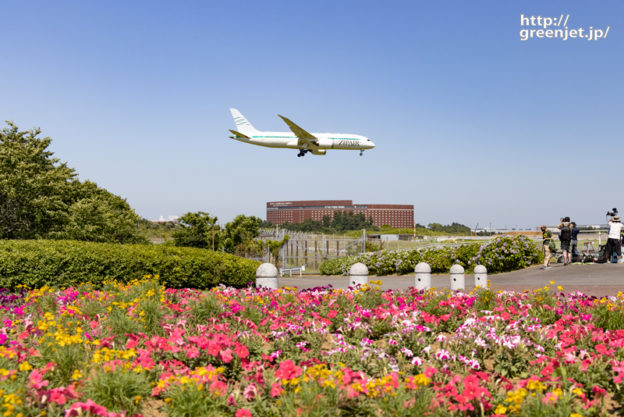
[[288, 370]]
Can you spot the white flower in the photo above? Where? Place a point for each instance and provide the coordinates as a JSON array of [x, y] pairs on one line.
[[443, 354], [416, 361], [407, 352]]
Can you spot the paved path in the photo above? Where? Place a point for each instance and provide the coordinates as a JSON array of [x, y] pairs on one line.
[[593, 279]]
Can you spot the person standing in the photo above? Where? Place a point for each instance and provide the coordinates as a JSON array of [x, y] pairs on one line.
[[546, 242], [565, 237], [574, 241], [614, 244]]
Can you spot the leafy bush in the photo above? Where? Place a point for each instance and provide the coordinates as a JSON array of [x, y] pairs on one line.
[[499, 255], [36, 263]]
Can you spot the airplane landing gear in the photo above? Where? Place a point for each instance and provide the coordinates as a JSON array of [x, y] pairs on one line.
[[302, 152], [361, 152]]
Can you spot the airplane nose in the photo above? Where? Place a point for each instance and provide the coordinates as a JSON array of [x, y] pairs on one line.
[[371, 144]]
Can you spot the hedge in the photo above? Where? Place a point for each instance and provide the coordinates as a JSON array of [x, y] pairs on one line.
[[64, 263], [498, 255]]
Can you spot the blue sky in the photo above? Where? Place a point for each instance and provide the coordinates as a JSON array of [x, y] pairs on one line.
[[471, 124]]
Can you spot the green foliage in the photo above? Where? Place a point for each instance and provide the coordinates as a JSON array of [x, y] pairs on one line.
[[99, 216], [342, 221], [34, 186], [119, 390], [198, 230], [275, 246], [499, 255], [40, 197], [239, 235], [454, 228], [36, 263], [157, 231]]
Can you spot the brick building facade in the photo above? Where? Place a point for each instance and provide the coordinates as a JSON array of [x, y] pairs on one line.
[[395, 215]]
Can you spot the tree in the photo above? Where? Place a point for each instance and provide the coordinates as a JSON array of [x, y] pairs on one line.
[[99, 216], [34, 186], [40, 196], [239, 234], [197, 230], [275, 247]]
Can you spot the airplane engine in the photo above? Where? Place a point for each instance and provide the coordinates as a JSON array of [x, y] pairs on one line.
[[319, 151]]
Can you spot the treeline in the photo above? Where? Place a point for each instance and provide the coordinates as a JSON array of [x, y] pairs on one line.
[[41, 197], [452, 229], [342, 221]]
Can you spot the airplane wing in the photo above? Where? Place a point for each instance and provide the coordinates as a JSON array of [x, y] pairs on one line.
[[304, 137], [239, 134]]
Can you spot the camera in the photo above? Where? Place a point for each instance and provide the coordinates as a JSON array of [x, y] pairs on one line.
[[613, 212]]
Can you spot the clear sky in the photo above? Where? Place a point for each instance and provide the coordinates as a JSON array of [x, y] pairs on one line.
[[471, 123]]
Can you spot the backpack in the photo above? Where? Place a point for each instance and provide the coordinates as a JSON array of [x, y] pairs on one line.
[[566, 234]]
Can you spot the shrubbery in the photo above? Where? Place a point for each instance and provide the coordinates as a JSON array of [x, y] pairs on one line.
[[35, 263], [499, 255]]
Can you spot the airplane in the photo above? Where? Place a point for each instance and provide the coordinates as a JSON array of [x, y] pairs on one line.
[[316, 143]]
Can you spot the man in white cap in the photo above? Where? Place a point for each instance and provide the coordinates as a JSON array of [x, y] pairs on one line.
[[613, 242]]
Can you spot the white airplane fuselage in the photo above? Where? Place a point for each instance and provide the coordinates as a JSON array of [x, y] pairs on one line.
[[325, 140]]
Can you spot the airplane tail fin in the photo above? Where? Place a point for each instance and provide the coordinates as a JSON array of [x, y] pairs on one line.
[[242, 124]]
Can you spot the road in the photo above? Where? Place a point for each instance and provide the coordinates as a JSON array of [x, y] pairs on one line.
[[592, 279]]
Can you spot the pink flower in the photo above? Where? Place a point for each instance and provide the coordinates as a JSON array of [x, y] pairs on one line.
[[276, 389], [90, 406], [226, 355], [219, 388], [250, 392], [431, 371], [243, 412], [192, 352], [241, 351], [36, 379]]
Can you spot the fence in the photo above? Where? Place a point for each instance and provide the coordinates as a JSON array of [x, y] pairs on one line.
[[311, 250]]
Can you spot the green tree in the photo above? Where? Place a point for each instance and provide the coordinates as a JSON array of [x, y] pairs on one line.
[[197, 230], [41, 197], [275, 247], [99, 216], [239, 234], [34, 186]]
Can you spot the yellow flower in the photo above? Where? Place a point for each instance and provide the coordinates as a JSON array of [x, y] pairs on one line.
[[534, 385], [76, 375], [500, 409], [25, 366]]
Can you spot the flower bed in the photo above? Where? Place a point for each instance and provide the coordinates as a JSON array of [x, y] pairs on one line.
[[498, 255], [141, 349]]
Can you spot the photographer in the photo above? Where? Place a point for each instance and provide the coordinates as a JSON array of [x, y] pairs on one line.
[[547, 246], [614, 244], [565, 237]]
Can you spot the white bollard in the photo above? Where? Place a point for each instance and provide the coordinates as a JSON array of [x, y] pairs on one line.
[[266, 276], [422, 276], [457, 277], [480, 275], [358, 274]]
